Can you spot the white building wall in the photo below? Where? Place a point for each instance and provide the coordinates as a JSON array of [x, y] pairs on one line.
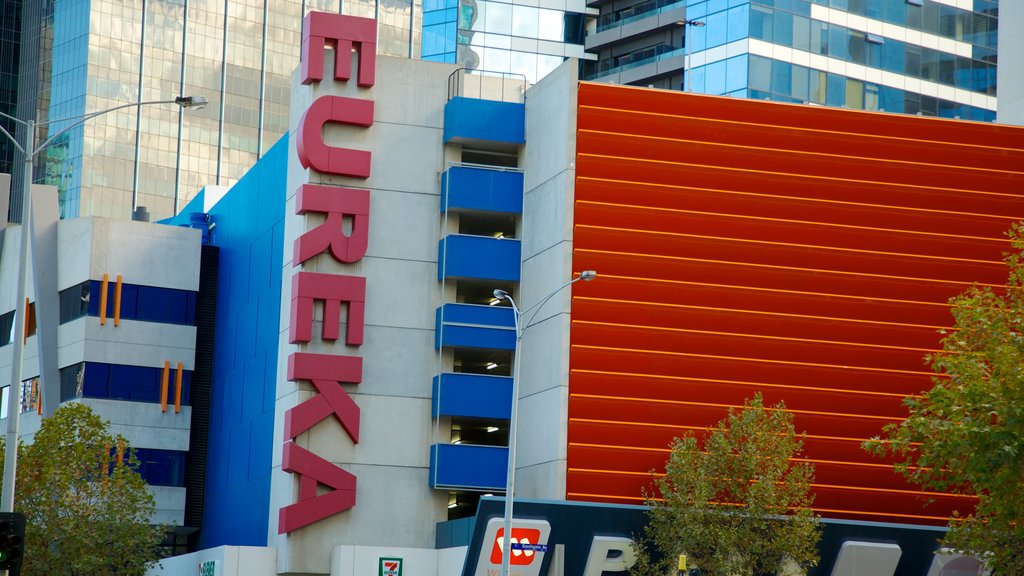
[[549, 165], [1011, 63], [143, 254], [394, 504]]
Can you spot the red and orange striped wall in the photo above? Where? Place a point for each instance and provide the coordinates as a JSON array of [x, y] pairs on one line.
[[807, 253]]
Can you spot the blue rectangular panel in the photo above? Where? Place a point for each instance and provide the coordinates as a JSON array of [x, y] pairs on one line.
[[482, 189], [489, 120], [468, 467], [474, 326], [472, 396], [481, 257]]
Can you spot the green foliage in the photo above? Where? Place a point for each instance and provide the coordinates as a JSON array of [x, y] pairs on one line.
[[86, 513], [966, 434], [740, 506]]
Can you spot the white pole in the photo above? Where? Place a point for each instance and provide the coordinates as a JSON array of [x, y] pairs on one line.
[[21, 312], [513, 425]]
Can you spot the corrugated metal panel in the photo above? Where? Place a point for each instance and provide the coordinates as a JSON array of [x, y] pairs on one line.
[[806, 253]]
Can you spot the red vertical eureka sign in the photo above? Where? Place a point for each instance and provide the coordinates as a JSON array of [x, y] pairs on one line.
[[326, 372]]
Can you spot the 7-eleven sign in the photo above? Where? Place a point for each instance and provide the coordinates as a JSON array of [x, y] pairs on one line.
[[390, 567], [526, 547]]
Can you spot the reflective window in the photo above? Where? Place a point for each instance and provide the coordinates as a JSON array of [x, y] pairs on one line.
[[715, 29], [761, 25], [736, 73], [738, 23], [524, 21], [551, 25]]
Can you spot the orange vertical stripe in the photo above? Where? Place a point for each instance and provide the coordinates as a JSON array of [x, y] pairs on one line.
[[163, 385], [177, 389], [103, 300], [117, 301], [24, 337], [120, 450]]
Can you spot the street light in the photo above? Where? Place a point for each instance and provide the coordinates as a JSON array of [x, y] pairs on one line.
[[510, 479], [686, 24], [30, 151]]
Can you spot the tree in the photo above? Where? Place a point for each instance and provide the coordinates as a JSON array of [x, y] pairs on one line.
[[740, 506], [966, 434], [87, 510]]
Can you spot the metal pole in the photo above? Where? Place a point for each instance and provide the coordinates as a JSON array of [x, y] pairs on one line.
[[513, 425], [686, 56], [18, 352]]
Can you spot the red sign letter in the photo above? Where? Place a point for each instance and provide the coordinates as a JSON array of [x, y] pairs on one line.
[[315, 153], [321, 28], [336, 202], [312, 471], [326, 372], [333, 289]]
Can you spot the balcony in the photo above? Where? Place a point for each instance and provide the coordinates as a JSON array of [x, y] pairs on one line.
[[485, 189], [485, 109], [468, 467], [478, 257], [640, 12], [475, 326], [472, 396], [640, 65]]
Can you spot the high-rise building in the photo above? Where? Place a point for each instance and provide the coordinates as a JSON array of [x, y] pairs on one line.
[[928, 57], [87, 55], [496, 36]]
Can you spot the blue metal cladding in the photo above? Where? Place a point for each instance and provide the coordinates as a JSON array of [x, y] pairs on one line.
[[474, 326], [250, 239], [468, 467], [474, 119], [482, 257], [472, 396], [485, 189]]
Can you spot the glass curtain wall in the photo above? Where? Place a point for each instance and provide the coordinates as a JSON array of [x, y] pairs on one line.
[[239, 54]]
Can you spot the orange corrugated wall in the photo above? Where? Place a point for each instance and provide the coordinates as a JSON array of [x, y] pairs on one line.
[[804, 252]]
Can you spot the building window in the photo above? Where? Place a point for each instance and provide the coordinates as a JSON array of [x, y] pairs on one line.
[[74, 302]]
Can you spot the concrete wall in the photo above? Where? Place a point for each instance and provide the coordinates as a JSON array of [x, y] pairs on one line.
[[1011, 62], [548, 161], [227, 561], [393, 501]]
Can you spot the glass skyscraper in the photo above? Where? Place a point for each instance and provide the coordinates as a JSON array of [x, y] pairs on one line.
[[80, 56], [88, 55], [504, 37], [929, 57]]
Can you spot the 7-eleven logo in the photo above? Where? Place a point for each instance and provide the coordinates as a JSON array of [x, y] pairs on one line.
[[520, 536]]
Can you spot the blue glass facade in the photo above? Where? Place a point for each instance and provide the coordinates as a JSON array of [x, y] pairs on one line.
[[923, 57], [500, 37], [789, 23]]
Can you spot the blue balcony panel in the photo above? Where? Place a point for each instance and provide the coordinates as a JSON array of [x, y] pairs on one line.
[[474, 326], [466, 188], [480, 257], [468, 467], [470, 120], [472, 396]]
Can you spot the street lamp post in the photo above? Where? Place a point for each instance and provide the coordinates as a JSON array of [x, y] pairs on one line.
[[687, 24], [513, 423], [30, 151]]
